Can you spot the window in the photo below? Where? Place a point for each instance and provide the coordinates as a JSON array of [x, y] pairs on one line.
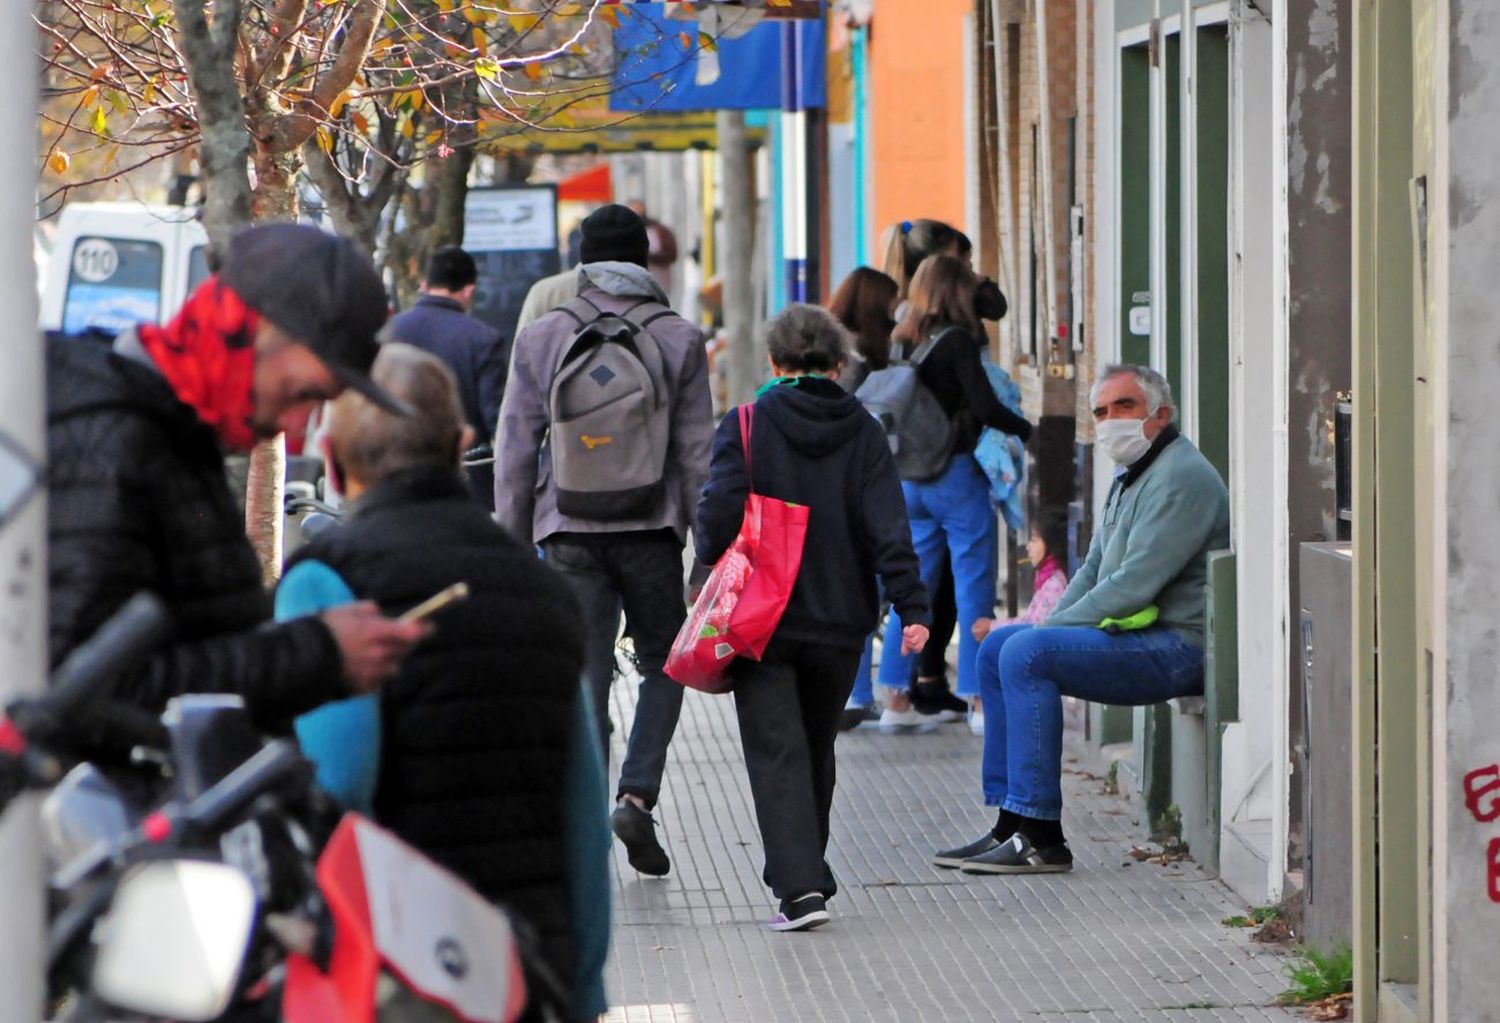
[[198, 271], [113, 284]]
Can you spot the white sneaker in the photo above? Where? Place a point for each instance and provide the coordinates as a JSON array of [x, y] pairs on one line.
[[976, 720], [902, 720]]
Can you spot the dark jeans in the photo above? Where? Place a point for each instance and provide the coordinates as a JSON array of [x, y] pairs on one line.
[[640, 573], [789, 704]]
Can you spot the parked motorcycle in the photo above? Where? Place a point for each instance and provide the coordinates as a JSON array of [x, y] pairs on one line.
[[237, 890]]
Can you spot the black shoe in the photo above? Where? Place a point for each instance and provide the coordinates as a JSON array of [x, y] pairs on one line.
[[800, 914], [952, 859], [856, 716], [637, 830], [935, 698], [1017, 855]]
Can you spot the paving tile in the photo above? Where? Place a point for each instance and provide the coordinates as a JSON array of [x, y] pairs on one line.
[[1115, 941]]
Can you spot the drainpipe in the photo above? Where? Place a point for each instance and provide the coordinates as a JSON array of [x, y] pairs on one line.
[[23, 522], [793, 138], [860, 60]]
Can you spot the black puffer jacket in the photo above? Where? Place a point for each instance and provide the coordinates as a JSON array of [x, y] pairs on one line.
[[476, 730], [139, 501]]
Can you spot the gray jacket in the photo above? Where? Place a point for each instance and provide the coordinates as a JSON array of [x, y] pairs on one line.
[[1152, 546], [525, 497]]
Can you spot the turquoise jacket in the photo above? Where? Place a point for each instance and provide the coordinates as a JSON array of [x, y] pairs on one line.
[[1151, 545]]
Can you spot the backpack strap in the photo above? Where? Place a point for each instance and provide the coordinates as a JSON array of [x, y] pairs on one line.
[[747, 419], [646, 312], [924, 349], [581, 310]]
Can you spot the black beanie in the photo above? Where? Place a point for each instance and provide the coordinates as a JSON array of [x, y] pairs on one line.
[[614, 233]]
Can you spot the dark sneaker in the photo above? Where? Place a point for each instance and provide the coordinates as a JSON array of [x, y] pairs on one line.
[[800, 914], [636, 829], [952, 859], [936, 699], [1016, 855], [856, 716]]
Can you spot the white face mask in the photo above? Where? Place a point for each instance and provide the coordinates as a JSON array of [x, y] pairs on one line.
[[1123, 440]]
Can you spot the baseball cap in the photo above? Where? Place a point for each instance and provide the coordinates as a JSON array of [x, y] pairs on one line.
[[321, 290]]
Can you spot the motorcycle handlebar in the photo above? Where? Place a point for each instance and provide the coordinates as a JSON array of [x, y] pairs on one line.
[[121, 642]]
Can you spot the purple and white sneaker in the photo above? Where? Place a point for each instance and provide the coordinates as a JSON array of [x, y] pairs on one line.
[[800, 914]]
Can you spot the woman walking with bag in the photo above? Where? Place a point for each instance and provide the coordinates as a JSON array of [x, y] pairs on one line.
[[808, 442]]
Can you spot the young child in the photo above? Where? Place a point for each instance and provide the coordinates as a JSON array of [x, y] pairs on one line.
[[811, 443], [1047, 552]]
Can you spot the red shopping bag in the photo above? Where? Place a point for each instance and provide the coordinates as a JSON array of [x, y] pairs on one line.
[[746, 594]]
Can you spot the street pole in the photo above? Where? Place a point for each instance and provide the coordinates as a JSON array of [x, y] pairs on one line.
[[793, 137], [23, 519], [737, 256]]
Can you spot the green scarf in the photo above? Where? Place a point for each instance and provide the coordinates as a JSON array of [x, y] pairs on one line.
[[792, 380]]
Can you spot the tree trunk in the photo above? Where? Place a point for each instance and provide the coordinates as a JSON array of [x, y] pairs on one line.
[[737, 258], [275, 195], [448, 186]]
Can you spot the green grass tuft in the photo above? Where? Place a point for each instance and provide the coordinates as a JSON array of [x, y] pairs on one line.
[[1316, 975]]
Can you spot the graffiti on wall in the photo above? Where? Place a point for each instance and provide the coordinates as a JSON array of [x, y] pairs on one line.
[[1482, 798]]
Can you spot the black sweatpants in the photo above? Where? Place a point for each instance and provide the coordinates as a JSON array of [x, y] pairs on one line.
[[789, 705]]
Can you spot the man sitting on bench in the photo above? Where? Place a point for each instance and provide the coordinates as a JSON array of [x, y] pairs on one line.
[[1128, 631]]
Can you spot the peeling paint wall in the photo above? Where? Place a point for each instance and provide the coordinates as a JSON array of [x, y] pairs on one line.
[[1319, 270], [1465, 243]]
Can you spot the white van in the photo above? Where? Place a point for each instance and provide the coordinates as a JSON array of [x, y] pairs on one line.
[[116, 264]]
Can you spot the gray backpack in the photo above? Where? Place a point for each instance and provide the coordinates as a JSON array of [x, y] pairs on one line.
[[920, 432], [610, 414]]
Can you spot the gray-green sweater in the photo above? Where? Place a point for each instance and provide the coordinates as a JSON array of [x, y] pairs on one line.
[[1152, 544]]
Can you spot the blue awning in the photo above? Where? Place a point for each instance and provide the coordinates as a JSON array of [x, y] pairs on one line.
[[652, 53]]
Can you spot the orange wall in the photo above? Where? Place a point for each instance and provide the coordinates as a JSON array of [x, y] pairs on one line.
[[917, 113]]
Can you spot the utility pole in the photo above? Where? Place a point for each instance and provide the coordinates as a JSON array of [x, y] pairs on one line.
[[737, 256], [23, 518]]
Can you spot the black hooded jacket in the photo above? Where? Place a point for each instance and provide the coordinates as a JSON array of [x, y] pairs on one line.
[[814, 444]]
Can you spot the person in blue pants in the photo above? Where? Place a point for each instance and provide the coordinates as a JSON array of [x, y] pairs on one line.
[[952, 521]]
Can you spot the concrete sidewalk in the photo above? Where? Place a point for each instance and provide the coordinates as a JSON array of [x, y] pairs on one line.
[[1115, 940]]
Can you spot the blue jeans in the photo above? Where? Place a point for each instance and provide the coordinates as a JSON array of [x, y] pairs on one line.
[[1026, 670], [950, 517]]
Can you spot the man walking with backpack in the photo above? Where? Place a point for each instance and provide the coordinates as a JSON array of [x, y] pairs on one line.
[[603, 449]]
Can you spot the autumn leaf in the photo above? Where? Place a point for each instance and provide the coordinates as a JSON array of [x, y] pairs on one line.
[[339, 102], [325, 139], [361, 122], [99, 73], [59, 162], [610, 16], [90, 96], [487, 69], [686, 40], [149, 93], [100, 122], [532, 70], [116, 100], [408, 128], [708, 42], [433, 137], [481, 42]]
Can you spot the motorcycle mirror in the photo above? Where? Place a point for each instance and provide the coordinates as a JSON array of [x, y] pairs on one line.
[[175, 939]]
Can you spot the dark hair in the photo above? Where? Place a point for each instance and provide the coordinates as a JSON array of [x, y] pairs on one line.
[[863, 304], [1052, 527], [942, 295], [912, 241], [805, 339], [452, 269]]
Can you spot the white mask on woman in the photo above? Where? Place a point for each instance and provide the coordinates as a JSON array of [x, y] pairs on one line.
[[1123, 440]]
